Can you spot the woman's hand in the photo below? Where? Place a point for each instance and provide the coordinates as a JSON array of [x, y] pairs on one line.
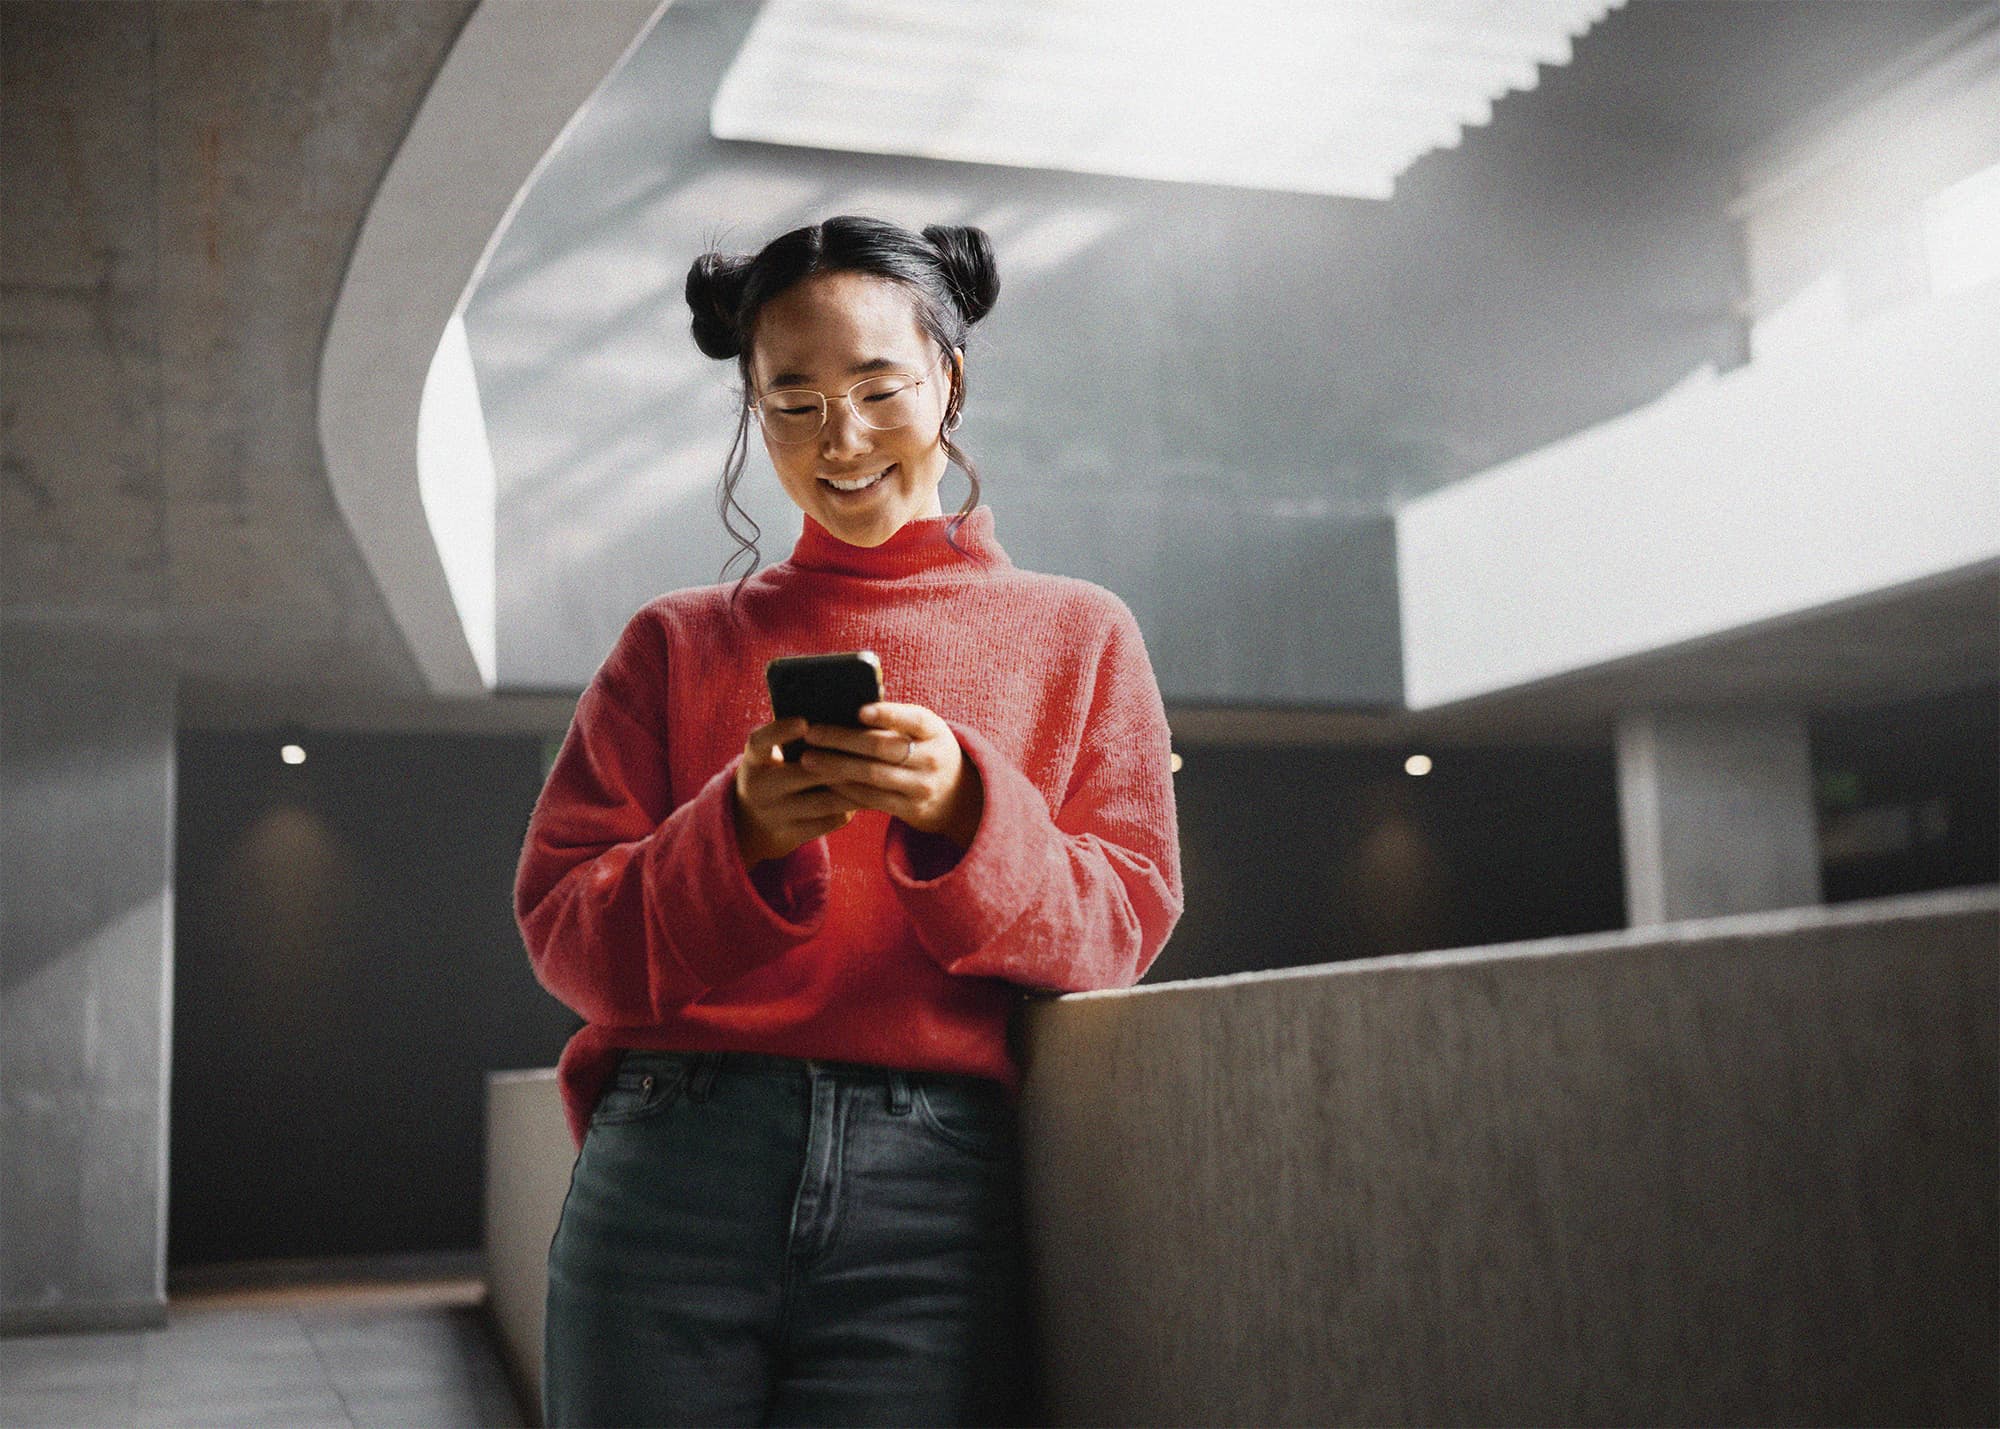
[[778, 805], [907, 763]]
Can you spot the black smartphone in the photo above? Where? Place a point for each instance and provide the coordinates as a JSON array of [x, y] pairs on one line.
[[824, 689]]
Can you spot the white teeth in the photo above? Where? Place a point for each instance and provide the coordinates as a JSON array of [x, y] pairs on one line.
[[859, 483]]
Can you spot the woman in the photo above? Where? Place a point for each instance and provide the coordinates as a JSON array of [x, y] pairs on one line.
[[796, 1197]]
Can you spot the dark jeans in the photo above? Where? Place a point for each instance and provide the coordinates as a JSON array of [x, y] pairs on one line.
[[752, 1239]]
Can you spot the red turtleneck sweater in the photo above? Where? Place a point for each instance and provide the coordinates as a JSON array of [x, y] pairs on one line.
[[877, 942]]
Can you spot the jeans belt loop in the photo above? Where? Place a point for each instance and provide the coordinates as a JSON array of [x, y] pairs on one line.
[[899, 1091]]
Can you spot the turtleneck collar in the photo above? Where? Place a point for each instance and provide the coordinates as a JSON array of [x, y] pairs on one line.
[[917, 548]]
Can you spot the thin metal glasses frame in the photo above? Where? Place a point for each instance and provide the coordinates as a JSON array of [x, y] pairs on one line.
[[826, 403]]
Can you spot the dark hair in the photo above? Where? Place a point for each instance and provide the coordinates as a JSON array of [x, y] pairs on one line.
[[948, 270]]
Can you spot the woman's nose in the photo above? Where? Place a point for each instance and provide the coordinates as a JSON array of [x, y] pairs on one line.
[[844, 432]]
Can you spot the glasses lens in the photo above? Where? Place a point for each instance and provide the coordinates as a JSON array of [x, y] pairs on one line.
[[790, 416], [886, 401]]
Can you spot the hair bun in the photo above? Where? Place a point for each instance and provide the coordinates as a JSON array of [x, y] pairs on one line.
[[715, 296], [965, 257]]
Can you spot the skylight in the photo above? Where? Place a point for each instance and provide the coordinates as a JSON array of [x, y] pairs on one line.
[[1329, 98]]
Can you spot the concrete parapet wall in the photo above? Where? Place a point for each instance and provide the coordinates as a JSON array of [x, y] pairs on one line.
[[1729, 1171], [528, 1160], [1739, 1170]]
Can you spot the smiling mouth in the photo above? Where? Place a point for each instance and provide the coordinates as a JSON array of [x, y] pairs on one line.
[[860, 483]]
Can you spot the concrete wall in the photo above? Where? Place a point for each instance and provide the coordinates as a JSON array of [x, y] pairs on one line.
[[1733, 1171], [1736, 1171], [180, 185], [86, 982]]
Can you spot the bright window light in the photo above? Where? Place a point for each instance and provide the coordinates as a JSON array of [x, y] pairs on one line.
[[1417, 764], [292, 754], [1265, 94], [1962, 233]]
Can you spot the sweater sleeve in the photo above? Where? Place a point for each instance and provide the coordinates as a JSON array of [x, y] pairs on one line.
[[630, 903], [1073, 901]]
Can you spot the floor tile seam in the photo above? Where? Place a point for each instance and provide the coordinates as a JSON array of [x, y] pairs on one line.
[[325, 1368]]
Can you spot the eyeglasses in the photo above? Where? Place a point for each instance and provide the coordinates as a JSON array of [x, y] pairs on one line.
[[884, 402]]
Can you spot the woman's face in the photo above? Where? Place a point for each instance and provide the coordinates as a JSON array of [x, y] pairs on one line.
[[828, 332]]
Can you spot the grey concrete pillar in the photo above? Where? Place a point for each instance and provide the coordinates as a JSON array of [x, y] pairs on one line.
[[86, 989], [1715, 810]]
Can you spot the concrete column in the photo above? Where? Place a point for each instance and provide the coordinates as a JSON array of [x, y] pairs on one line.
[[1715, 809], [86, 988]]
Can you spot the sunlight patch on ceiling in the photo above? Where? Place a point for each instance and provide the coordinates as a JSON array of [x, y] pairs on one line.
[[1336, 99]]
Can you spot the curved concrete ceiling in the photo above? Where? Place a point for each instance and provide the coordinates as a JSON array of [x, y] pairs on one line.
[[514, 82], [163, 306]]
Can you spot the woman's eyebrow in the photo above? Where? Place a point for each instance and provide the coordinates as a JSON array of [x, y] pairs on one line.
[[873, 364]]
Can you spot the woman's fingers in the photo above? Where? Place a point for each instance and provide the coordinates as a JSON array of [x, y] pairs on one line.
[[773, 778], [880, 744], [778, 805], [815, 801], [903, 761], [916, 721], [898, 735], [762, 746], [827, 766], [883, 744]]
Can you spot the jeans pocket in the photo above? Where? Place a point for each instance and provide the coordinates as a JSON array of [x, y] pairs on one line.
[[638, 1092], [972, 1120]]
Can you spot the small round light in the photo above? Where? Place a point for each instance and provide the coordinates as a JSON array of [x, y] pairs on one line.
[[1174, 763], [293, 754], [1417, 764]]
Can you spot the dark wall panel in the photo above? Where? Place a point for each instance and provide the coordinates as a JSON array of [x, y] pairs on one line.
[[1909, 795], [1293, 856], [347, 971]]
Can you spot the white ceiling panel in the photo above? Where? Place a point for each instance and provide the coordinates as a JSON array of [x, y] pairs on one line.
[[1337, 98]]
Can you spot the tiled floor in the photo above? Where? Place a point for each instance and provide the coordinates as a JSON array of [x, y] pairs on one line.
[[334, 1356]]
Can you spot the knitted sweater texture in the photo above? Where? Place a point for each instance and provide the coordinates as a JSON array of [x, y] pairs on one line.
[[877, 942]]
